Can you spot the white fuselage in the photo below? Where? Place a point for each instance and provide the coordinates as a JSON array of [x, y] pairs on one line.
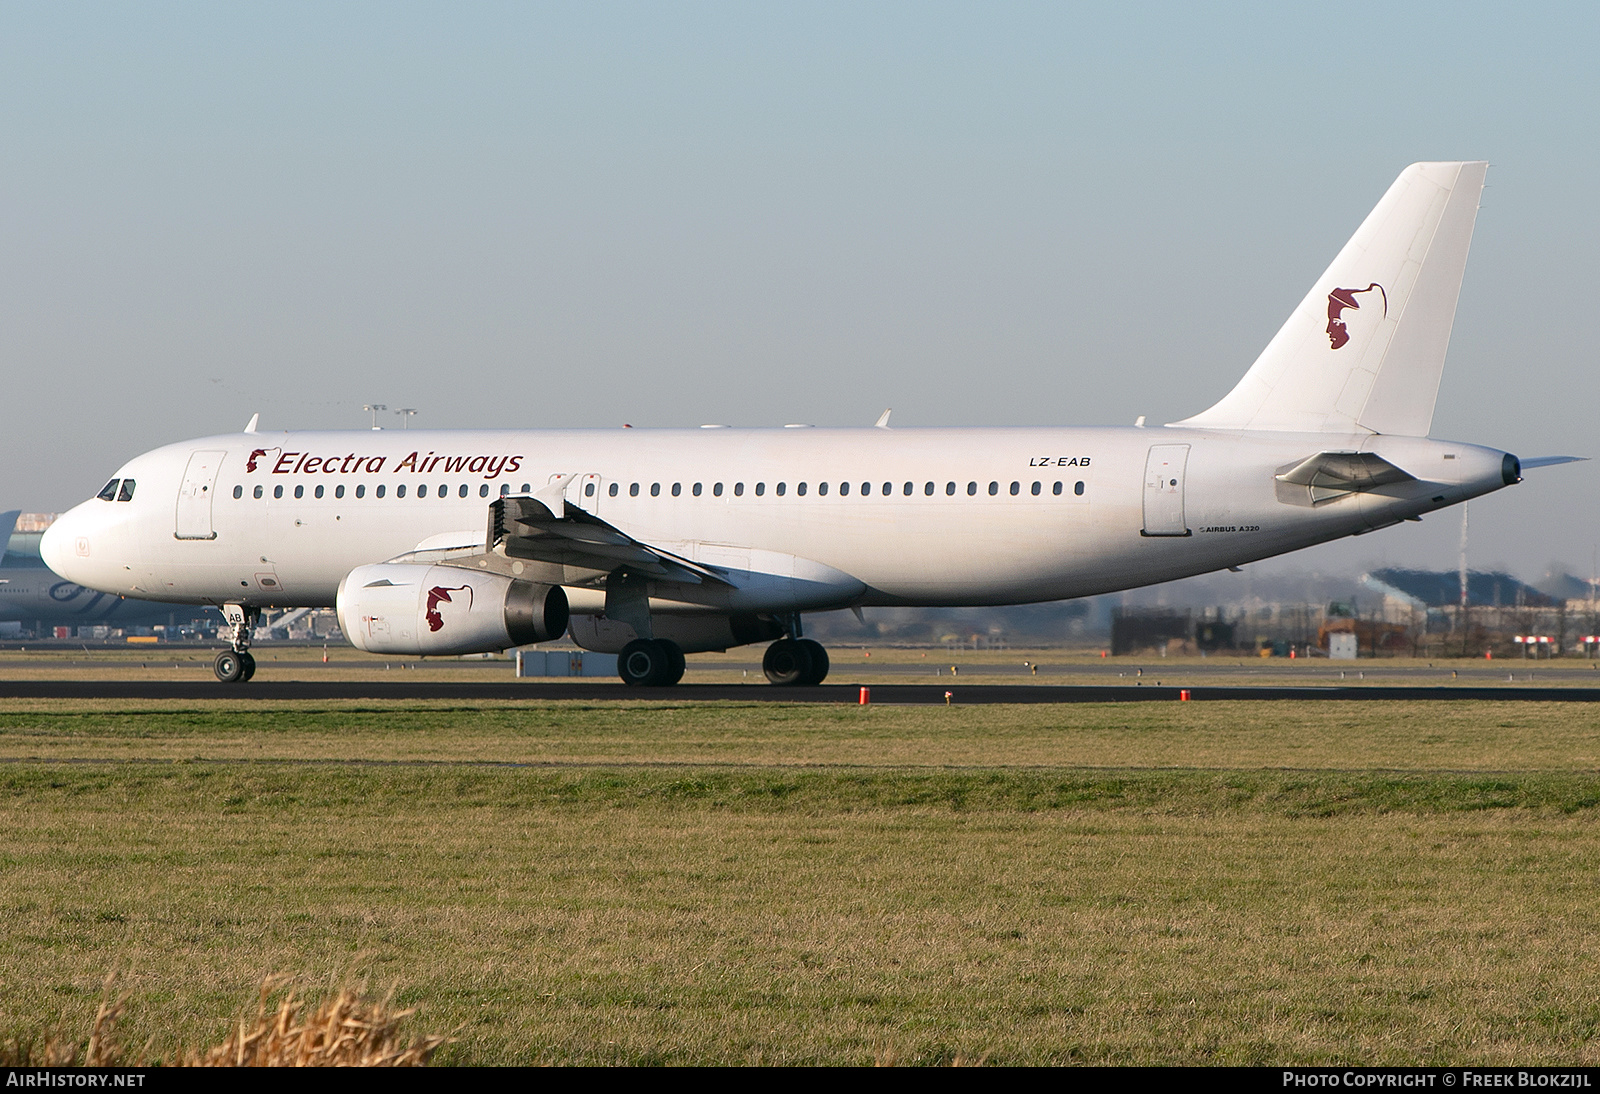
[[909, 517]]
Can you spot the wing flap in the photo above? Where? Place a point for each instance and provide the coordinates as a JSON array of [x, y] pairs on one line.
[[528, 528]]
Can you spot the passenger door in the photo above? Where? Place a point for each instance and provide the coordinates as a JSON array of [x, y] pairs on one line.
[[194, 496], [1163, 490]]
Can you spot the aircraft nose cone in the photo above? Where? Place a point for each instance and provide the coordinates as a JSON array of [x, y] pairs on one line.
[[63, 543]]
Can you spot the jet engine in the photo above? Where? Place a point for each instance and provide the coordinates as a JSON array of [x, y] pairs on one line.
[[415, 608]]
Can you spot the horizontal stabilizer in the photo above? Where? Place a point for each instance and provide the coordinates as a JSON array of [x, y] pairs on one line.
[[1551, 461], [1330, 475], [1364, 350]]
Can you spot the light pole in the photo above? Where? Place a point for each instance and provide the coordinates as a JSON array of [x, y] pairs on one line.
[[405, 413], [374, 407]]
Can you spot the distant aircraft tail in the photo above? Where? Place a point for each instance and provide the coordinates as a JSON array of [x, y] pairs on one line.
[[1365, 348], [8, 525]]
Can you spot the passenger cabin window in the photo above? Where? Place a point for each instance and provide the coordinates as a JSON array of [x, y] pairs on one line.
[[277, 491], [256, 492], [866, 489], [822, 489], [928, 489], [844, 489], [483, 490], [801, 490], [400, 491], [738, 489], [361, 491], [1056, 489], [299, 491], [338, 491], [1037, 487], [588, 490], [655, 490], [695, 490], [318, 491], [910, 488], [505, 489], [1077, 488], [110, 491], [381, 489], [972, 488], [422, 491], [633, 490], [238, 491], [716, 490], [612, 491], [677, 489], [1016, 488], [761, 488], [782, 488], [949, 488], [994, 488]]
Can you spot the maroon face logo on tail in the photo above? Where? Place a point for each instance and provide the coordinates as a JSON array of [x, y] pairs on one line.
[[440, 594], [250, 464], [1338, 301]]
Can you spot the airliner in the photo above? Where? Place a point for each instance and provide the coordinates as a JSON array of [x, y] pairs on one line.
[[656, 543]]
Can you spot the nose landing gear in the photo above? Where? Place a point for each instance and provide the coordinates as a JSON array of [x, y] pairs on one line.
[[235, 665]]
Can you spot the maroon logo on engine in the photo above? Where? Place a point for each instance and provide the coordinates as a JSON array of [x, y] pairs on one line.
[[1338, 301], [250, 463], [440, 594]]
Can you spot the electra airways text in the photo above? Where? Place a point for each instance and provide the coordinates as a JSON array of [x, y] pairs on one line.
[[656, 543]]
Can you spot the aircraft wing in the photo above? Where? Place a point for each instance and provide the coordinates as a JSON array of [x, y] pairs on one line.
[[552, 529]]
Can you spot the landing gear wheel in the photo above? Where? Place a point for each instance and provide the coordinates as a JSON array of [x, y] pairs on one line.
[[789, 663], [249, 667], [819, 662], [675, 661], [650, 663], [230, 667]]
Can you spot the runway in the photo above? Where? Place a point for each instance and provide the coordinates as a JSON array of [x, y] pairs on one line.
[[904, 694]]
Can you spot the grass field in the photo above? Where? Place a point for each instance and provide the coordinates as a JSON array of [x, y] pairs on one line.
[[729, 883]]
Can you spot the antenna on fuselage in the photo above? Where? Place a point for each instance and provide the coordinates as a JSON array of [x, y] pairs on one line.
[[255, 420], [883, 419]]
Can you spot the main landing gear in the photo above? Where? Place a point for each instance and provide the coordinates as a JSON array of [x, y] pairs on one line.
[[795, 662], [650, 663], [235, 665]]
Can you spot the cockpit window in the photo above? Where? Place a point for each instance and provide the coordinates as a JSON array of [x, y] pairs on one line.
[[110, 492], [126, 493]]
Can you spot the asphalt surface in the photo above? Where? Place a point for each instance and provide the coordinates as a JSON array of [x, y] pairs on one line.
[[828, 693]]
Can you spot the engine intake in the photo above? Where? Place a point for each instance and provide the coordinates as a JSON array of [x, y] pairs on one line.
[[415, 608]]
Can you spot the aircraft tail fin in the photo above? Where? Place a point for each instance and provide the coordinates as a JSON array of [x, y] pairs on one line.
[[8, 525], [1365, 349]]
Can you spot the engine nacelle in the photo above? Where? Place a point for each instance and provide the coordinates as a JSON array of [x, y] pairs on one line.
[[415, 608]]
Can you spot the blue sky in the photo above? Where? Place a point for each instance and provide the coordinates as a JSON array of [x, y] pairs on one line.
[[671, 214]]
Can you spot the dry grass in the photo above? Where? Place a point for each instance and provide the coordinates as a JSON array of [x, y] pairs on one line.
[[348, 1029], [762, 884]]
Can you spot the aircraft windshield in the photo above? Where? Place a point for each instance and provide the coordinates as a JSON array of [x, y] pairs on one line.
[[110, 492], [126, 493]]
